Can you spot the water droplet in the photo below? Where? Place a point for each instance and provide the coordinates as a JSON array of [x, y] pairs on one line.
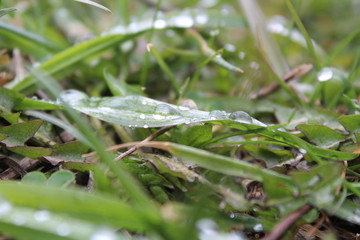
[[206, 224], [5, 208], [146, 126], [71, 97], [183, 108], [142, 116], [218, 115], [42, 216], [214, 32], [230, 47], [325, 74], [18, 219], [303, 151], [241, 116], [164, 109], [207, 3], [63, 230], [170, 33], [201, 19], [254, 65], [103, 234], [159, 24], [258, 227], [232, 215], [158, 117], [242, 55], [184, 21]]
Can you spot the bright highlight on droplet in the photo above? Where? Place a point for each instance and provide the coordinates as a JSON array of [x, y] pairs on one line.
[[325, 74]]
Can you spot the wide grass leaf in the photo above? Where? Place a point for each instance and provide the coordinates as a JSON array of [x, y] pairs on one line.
[[31, 224], [75, 202], [138, 111]]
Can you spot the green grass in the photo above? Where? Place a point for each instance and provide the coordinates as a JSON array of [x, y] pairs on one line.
[[155, 120]]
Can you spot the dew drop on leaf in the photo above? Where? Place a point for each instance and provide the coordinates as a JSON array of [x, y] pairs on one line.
[[63, 230], [241, 116], [103, 234], [218, 115], [5, 207], [42, 216], [164, 109]]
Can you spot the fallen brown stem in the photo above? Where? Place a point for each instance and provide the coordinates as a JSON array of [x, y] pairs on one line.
[[289, 220], [148, 139], [294, 73]]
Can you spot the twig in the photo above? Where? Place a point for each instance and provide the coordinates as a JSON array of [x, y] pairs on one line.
[[294, 73], [289, 220], [27, 164], [148, 139]]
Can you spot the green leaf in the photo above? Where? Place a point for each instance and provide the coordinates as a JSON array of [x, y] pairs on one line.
[[321, 135], [61, 178], [34, 178], [320, 182], [193, 136], [9, 98], [270, 156], [19, 133], [3, 136], [31, 152], [120, 88], [112, 211], [71, 151], [138, 111], [33, 104], [351, 123], [11, 118]]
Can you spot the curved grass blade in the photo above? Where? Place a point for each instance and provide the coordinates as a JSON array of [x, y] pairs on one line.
[[92, 3], [70, 56], [37, 41], [219, 163]]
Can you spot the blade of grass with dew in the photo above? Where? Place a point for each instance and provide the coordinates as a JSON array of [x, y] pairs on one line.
[[265, 40], [138, 111], [92, 207], [131, 186]]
